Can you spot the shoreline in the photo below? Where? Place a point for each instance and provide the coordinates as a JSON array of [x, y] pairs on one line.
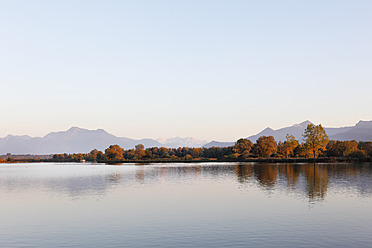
[[156, 161]]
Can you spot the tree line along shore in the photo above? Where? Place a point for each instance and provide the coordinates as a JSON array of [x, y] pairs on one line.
[[316, 147]]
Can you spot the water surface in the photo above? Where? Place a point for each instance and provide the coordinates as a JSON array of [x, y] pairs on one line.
[[186, 205]]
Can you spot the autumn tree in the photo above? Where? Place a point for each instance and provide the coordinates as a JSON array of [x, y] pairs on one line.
[[148, 154], [300, 151], [93, 155], [242, 145], [287, 147], [139, 151], [316, 139], [188, 157], [266, 146], [78, 157], [164, 152], [195, 152], [341, 148], [366, 147], [100, 156], [114, 152], [349, 147]]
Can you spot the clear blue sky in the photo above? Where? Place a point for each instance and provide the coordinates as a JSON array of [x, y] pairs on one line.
[[207, 69]]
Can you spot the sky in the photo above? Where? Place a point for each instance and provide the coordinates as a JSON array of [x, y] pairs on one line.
[[212, 70]]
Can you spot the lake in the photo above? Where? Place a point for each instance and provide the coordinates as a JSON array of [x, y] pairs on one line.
[[185, 205]]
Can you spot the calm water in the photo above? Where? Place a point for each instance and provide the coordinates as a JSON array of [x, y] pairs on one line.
[[186, 205]]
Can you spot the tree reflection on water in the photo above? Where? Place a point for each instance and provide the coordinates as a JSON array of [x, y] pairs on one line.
[[311, 179], [307, 180], [317, 181]]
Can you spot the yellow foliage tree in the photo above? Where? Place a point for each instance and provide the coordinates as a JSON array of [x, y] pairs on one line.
[[114, 152], [287, 147], [316, 139], [266, 145]]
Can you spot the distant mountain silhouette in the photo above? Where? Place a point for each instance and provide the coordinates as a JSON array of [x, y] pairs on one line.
[[181, 142], [296, 130], [362, 131], [76, 140], [218, 144]]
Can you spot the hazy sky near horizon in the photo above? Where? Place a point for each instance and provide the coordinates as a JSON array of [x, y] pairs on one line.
[[214, 70]]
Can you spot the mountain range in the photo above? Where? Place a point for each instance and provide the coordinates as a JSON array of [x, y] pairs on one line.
[[76, 140], [362, 131]]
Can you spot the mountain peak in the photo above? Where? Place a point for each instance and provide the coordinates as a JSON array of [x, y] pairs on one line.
[[268, 129], [10, 136], [305, 123], [181, 141], [364, 124], [75, 129]]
